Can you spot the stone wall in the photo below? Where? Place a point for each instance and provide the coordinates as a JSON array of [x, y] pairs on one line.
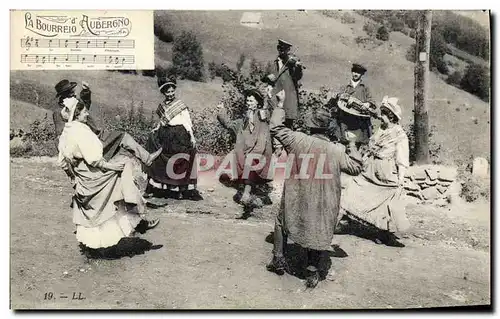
[[430, 182]]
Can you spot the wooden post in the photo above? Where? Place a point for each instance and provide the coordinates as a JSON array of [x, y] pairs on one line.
[[421, 116]]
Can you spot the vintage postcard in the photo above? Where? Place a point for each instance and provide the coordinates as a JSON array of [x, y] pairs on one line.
[[280, 159]]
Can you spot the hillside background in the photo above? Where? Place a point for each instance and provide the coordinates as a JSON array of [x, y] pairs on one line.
[[327, 44]]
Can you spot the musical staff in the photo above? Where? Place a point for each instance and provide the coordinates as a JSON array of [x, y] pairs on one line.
[[30, 42], [78, 58]]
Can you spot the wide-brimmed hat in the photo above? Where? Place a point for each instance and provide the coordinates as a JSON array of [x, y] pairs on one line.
[[166, 81], [256, 94], [358, 68], [391, 104], [64, 86], [319, 118]]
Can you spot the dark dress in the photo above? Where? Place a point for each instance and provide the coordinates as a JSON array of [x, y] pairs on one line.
[[174, 140]]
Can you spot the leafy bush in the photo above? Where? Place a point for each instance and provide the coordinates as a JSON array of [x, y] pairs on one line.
[[135, 122], [473, 187], [382, 34], [40, 140], [188, 57], [240, 62], [434, 147], [396, 24], [348, 18], [336, 14], [371, 28], [455, 79], [476, 80]]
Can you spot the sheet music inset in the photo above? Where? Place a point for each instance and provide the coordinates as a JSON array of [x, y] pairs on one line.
[[97, 40]]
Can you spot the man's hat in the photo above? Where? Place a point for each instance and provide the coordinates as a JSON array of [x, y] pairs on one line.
[[358, 68], [284, 44], [64, 86], [319, 118]]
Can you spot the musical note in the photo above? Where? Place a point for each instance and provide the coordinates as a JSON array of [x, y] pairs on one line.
[[88, 42], [36, 43], [76, 43], [78, 58], [66, 43]]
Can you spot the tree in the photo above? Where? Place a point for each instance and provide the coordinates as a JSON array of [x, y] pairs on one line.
[[187, 57]]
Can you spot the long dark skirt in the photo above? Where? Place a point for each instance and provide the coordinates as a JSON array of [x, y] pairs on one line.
[[175, 140]]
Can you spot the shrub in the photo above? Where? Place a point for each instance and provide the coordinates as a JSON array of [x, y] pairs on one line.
[[188, 57], [347, 18], [434, 147], [438, 50], [455, 79], [135, 122], [240, 62], [476, 80], [411, 55], [336, 14], [473, 187], [371, 28], [396, 24], [382, 34], [40, 140]]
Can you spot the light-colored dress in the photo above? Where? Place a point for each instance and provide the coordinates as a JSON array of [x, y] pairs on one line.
[[374, 197], [98, 204]]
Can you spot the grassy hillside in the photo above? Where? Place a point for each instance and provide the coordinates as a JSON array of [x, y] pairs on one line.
[[327, 48]]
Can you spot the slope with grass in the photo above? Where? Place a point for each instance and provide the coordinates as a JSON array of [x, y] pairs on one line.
[[325, 45]]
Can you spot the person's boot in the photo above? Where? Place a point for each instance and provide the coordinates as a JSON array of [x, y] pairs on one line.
[[312, 278], [278, 265]]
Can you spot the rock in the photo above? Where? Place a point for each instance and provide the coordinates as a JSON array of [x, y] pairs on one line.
[[430, 193], [442, 189], [448, 174], [211, 190], [431, 182], [17, 144], [420, 175], [409, 175], [432, 173], [480, 167], [423, 185], [415, 194], [411, 186]]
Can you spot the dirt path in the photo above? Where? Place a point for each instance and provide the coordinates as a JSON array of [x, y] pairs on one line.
[[214, 261]]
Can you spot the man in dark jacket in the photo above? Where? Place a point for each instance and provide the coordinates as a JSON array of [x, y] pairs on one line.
[[348, 118], [288, 72]]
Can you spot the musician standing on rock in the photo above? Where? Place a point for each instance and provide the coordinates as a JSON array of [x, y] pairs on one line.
[[288, 73], [349, 119]]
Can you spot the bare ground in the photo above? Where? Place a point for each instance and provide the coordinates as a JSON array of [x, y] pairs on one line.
[[211, 260]]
